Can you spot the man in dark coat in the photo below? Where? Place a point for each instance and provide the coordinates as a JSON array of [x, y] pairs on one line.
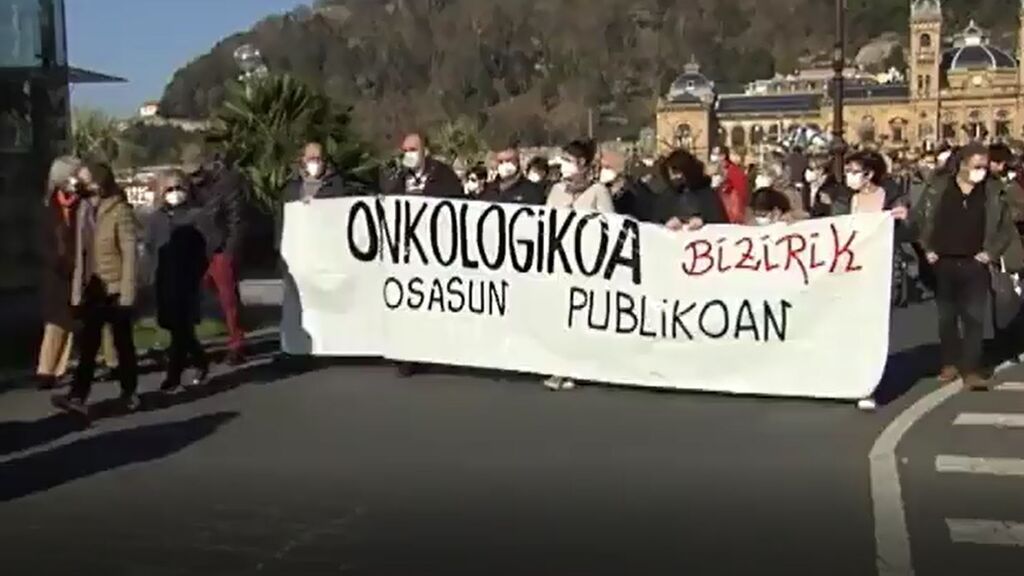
[[421, 174], [965, 228], [221, 191], [512, 187]]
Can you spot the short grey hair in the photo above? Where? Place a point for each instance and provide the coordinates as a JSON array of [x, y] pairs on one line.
[[62, 169]]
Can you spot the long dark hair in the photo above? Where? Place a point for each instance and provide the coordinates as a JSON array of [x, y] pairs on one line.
[[585, 149], [682, 162], [106, 182]]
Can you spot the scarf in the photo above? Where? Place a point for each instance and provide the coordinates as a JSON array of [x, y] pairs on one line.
[[578, 185], [311, 186], [66, 203]]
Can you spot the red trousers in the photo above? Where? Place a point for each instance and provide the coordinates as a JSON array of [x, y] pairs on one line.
[[221, 276]]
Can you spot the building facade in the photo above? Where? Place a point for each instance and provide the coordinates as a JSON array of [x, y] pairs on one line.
[[957, 88], [35, 125]]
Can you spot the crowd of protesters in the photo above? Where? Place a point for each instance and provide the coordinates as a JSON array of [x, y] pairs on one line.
[[99, 259], [958, 214]]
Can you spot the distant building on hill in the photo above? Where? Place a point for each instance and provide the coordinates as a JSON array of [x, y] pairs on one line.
[[149, 110], [958, 89]]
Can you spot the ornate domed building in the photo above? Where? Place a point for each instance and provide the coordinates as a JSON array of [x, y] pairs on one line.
[[955, 89]]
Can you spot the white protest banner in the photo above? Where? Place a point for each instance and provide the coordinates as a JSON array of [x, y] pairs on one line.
[[786, 310]]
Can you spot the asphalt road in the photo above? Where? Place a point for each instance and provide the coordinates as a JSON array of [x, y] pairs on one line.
[[348, 469]]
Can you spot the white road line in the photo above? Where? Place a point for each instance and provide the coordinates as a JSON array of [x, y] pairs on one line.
[[892, 542], [997, 420], [986, 532], [967, 465], [1010, 387]]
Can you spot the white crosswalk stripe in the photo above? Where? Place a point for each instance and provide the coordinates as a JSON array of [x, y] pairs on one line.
[[968, 465], [985, 532], [985, 419], [1010, 387]]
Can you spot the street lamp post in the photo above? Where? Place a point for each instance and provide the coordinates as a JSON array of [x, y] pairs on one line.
[[250, 62], [839, 67]]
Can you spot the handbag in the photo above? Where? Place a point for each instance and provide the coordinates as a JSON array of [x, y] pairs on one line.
[[1006, 295]]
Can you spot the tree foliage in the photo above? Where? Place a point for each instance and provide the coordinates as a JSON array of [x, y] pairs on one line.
[[459, 139], [262, 125], [532, 68], [96, 136]]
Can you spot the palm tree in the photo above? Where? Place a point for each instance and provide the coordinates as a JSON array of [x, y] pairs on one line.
[[459, 139], [96, 136], [263, 124]]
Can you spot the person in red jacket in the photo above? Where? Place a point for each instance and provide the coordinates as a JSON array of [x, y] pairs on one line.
[[731, 184]]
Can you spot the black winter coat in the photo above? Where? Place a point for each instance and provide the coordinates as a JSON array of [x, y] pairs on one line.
[[521, 192], [653, 201], [440, 181], [222, 192], [182, 259], [704, 203]]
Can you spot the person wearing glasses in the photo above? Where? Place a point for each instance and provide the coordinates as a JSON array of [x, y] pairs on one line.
[[175, 240]]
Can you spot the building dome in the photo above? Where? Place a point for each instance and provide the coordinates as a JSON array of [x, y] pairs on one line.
[[972, 51], [691, 85]]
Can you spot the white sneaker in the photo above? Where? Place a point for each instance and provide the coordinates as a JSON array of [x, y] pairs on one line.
[[553, 383], [867, 405]]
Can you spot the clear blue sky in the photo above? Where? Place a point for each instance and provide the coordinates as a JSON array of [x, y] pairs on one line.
[[145, 41]]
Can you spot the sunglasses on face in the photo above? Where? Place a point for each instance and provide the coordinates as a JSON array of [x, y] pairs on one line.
[[170, 189]]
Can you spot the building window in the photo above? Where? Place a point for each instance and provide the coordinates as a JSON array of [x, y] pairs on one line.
[[920, 83], [738, 137], [721, 137], [948, 131], [926, 40], [773, 132], [866, 131], [897, 133], [683, 135], [1002, 124], [928, 85], [756, 136], [925, 131], [21, 43]]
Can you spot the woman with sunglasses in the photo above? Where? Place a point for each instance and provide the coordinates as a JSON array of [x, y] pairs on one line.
[[175, 239]]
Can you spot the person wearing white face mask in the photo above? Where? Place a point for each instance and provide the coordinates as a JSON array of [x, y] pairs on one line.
[[475, 180], [964, 227], [315, 178], [864, 175], [510, 186], [175, 240], [578, 191], [421, 174]]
